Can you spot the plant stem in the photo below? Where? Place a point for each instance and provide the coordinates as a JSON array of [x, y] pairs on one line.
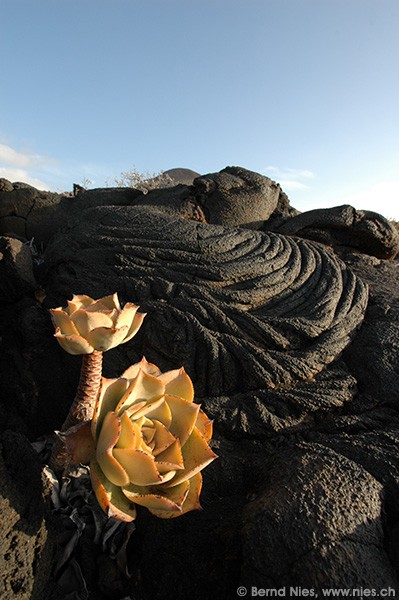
[[82, 407]]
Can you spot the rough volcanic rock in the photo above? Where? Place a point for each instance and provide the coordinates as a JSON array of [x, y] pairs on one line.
[[241, 309], [301, 530], [374, 355], [32, 214], [27, 212], [5, 185], [238, 197], [26, 548], [296, 369], [100, 197], [36, 381], [207, 547], [16, 270], [363, 230], [232, 197], [177, 200]]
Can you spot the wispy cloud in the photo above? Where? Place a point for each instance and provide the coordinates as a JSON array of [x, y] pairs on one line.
[[10, 156], [290, 179], [24, 166], [13, 174]]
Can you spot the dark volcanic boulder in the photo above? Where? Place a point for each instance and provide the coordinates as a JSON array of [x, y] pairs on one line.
[[362, 230], [26, 548], [36, 215], [301, 531], [27, 212], [238, 197], [5, 185], [241, 309], [374, 355], [232, 197], [16, 270], [109, 196]]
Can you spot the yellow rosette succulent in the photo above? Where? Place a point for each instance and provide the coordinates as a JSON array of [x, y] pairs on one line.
[[86, 325], [146, 444]]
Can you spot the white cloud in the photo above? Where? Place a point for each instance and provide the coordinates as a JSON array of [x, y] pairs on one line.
[[13, 174], [289, 184], [19, 159], [289, 179], [25, 166], [289, 173]]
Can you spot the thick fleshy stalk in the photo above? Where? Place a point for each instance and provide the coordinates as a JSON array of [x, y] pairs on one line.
[[82, 407]]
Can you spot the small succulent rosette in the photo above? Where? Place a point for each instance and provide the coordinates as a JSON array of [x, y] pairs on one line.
[[146, 444], [85, 324]]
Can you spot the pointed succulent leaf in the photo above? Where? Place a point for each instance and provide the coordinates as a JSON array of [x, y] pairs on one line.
[[191, 498], [130, 436], [105, 338], [107, 302], [135, 326], [184, 416], [178, 383], [192, 501], [132, 410], [112, 468], [85, 320], [63, 322], [109, 433], [204, 425], [107, 439], [170, 459], [73, 344], [78, 301], [136, 412], [125, 317], [110, 497], [148, 431], [144, 365], [132, 371], [168, 501], [139, 465], [101, 309], [162, 437], [110, 392], [161, 413], [144, 388], [196, 455]]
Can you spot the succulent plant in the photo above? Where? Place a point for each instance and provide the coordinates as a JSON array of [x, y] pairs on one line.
[[90, 327], [145, 439], [85, 325], [146, 443]]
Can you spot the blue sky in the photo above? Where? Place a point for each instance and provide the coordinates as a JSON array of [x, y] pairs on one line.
[[304, 91]]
